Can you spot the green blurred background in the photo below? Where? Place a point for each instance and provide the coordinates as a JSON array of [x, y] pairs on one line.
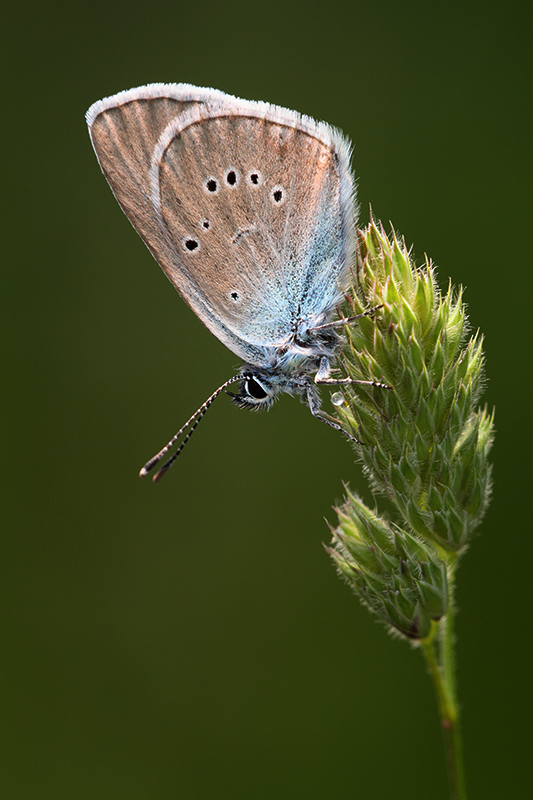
[[191, 639]]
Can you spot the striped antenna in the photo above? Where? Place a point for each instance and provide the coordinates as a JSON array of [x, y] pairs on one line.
[[192, 422]]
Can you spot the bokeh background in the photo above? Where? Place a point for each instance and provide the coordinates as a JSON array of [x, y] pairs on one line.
[[191, 639]]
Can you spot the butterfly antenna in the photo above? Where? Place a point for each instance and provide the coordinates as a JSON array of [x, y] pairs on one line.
[[193, 423]]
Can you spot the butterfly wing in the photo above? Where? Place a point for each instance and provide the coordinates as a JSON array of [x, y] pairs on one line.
[[125, 129], [247, 207]]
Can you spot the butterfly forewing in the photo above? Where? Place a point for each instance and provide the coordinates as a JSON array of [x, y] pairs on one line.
[[252, 206], [124, 131], [247, 207]]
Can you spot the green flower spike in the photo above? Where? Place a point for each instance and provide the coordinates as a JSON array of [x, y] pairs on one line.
[[424, 445]]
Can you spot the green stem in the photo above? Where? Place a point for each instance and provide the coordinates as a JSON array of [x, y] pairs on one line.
[[439, 652]]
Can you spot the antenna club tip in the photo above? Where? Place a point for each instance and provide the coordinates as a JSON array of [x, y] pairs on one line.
[[143, 472]]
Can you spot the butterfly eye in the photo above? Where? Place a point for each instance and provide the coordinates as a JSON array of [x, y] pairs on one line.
[[255, 389]]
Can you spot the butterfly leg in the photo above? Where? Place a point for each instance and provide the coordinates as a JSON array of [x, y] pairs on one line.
[[313, 401], [340, 323], [323, 378]]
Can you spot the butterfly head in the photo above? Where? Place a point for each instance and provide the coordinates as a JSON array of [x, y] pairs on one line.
[[257, 391]]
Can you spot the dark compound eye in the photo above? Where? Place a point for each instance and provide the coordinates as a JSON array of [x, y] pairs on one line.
[[255, 390], [191, 244]]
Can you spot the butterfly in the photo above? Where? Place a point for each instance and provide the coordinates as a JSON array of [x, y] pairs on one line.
[[250, 210]]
